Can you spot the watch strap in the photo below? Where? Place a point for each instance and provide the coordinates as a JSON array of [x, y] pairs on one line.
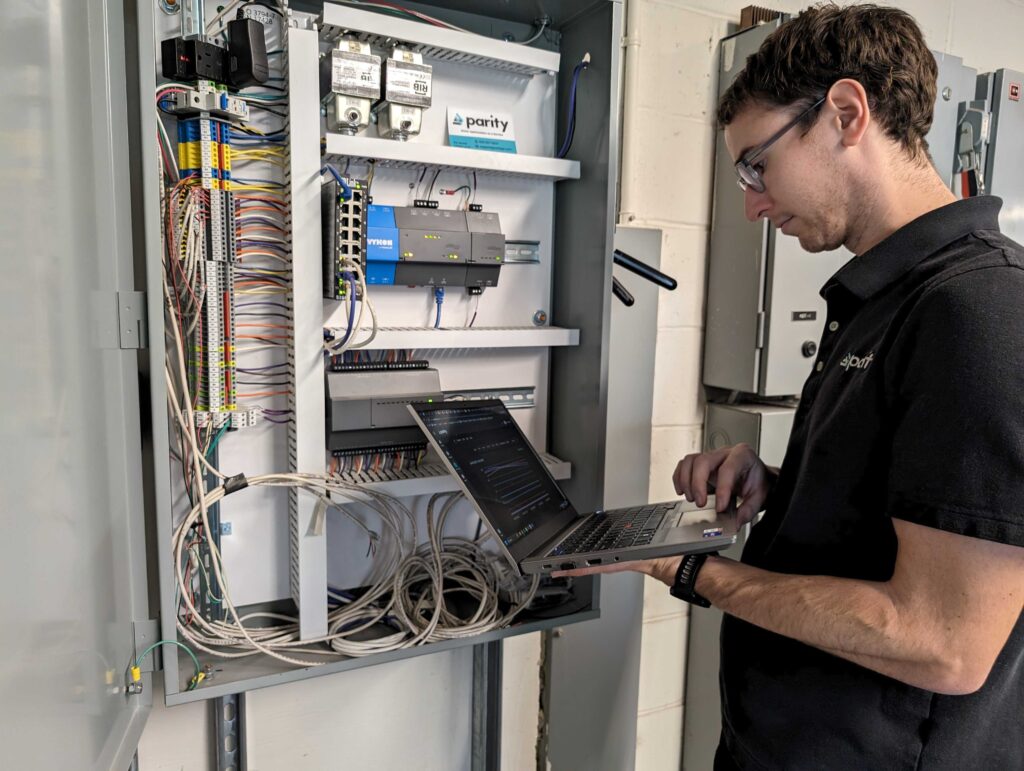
[[683, 587]]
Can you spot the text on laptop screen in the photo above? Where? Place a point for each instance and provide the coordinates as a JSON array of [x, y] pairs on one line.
[[499, 469]]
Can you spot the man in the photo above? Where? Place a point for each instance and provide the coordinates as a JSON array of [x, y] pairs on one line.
[[875, 620]]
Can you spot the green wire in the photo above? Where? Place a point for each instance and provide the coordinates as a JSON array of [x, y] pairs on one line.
[[213, 444], [158, 643]]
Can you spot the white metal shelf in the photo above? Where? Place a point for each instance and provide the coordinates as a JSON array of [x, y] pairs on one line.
[[436, 42], [423, 338], [430, 478], [417, 155]]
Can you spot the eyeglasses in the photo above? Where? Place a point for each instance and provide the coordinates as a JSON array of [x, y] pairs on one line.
[[750, 177]]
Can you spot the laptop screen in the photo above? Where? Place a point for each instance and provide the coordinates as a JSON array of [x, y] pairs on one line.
[[502, 473]]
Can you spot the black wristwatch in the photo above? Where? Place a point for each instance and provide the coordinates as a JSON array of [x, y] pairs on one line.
[[686, 579]]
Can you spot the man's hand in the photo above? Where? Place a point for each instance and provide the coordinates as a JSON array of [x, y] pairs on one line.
[[734, 471]]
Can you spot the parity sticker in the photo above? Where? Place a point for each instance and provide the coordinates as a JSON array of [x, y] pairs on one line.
[[481, 130]]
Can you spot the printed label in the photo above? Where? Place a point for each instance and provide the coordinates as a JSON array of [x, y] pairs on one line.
[[481, 130], [407, 83], [355, 74]]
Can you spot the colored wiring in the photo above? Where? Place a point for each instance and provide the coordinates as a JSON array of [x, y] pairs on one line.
[[410, 581], [439, 301], [346, 191], [430, 191], [570, 129]]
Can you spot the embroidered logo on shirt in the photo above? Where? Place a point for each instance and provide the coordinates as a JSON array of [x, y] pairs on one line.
[[852, 361]]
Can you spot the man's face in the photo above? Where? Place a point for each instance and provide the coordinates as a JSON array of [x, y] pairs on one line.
[[805, 195]]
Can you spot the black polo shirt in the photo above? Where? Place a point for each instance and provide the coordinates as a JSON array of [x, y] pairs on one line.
[[914, 410]]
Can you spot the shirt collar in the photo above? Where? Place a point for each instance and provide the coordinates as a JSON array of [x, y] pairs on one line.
[[888, 261]]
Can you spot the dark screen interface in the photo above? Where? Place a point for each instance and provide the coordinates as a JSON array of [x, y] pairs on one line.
[[497, 467]]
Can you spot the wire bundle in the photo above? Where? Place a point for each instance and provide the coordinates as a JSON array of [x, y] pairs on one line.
[[409, 591]]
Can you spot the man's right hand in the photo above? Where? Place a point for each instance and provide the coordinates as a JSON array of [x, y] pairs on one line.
[[734, 471]]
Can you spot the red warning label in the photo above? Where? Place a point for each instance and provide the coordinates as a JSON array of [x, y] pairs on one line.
[[1015, 92]]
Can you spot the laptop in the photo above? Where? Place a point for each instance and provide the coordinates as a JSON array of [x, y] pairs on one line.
[[535, 524]]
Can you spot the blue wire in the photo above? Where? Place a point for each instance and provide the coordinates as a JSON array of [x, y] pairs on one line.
[[439, 299], [570, 129], [346, 191]]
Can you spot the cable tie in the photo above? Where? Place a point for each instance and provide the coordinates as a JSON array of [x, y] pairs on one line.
[[235, 483]]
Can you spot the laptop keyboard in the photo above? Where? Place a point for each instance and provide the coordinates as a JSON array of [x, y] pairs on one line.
[[618, 529]]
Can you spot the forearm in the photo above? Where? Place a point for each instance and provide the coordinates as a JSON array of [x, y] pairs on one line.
[[855, 620]]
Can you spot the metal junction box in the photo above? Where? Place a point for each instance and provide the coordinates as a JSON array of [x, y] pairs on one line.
[[764, 314], [1004, 161], [764, 427], [956, 84]]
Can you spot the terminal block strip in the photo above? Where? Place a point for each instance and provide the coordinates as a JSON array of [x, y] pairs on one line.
[[213, 361]]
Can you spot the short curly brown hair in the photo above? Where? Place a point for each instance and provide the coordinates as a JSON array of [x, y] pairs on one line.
[[882, 48]]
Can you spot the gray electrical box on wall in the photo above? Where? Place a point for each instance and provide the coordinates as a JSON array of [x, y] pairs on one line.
[[1004, 160], [764, 315], [956, 84]]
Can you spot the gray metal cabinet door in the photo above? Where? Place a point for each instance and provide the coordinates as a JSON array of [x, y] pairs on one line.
[[72, 552], [1005, 160], [794, 312]]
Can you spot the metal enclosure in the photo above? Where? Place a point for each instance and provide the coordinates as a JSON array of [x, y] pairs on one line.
[[1004, 162], [593, 669], [764, 315], [956, 84], [764, 427], [584, 227], [73, 549], [577, 297]]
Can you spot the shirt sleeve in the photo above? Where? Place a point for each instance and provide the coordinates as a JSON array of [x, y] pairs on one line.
[[958, 405]]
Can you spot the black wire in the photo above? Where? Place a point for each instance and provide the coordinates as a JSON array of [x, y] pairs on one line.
[[270, 110], [431, 191], [423, 173]]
